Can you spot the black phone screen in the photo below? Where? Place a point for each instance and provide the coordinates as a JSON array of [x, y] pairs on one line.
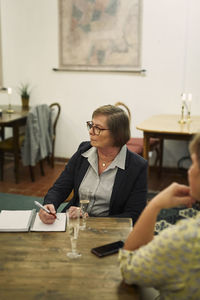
[[108, 249]]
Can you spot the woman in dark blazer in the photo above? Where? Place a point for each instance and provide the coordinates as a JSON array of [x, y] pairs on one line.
[[115, 177]]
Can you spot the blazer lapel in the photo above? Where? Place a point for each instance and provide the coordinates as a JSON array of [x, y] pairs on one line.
[[120, 177], [116, 193]]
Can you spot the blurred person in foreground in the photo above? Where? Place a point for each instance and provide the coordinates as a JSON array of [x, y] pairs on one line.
[[169, 262], [115, 177]]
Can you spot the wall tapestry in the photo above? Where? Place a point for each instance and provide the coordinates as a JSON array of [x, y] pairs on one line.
[[100, 35], [1, 72]]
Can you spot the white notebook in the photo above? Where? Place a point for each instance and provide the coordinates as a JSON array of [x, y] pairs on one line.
[[25, 220], [16, 220]]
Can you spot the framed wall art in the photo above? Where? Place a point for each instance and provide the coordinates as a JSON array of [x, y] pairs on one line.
[[100, 35]]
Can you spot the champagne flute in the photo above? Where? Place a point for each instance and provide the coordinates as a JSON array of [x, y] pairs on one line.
[[84, 202], [73, 229]]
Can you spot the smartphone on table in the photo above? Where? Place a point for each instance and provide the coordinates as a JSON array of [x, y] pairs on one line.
[[107, 249]]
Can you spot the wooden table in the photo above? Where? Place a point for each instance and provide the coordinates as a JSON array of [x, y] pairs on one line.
[[34, 265], [167, 127], [15, 121]]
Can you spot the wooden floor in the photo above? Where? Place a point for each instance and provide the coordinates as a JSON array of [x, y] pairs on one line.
[[158, 181], [25, 186], [41, 185]]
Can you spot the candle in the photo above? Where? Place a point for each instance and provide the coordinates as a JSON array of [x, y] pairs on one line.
[[183, 97], [9, 98], [190, 97], [9, 110], [9, 91], [189, 102]]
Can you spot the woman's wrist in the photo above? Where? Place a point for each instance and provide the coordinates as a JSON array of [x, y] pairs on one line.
[[156, 204]]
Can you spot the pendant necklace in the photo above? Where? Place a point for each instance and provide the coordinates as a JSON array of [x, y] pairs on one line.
[[105, 163]]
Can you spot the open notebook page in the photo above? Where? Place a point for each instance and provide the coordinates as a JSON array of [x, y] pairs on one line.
[[58, 225]]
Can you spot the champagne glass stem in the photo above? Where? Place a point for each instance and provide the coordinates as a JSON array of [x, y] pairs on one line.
[[84, 220], [73, 245]]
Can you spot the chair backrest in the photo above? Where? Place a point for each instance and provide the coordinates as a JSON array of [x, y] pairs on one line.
[[56, 108], [2, 133], [122, 105]]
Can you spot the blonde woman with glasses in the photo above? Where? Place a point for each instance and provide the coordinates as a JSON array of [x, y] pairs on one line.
[[115, 177]]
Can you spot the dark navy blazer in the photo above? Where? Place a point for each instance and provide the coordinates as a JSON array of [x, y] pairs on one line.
[[128, 197]]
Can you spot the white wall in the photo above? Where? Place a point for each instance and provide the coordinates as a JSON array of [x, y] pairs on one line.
[[30, 51]]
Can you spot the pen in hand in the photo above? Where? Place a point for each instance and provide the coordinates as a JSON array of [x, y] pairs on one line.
[[45, 209]]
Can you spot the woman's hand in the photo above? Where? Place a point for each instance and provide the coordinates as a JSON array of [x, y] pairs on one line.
[[143, 231], [45, 217], [173, 196], [73, 212]]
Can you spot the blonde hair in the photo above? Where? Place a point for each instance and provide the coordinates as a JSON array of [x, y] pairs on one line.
[[194, 146]]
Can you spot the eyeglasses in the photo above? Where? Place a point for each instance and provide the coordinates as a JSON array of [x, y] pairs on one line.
[[96, 129]]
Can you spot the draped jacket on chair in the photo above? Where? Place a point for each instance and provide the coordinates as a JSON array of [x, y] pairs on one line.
[[38, 135]]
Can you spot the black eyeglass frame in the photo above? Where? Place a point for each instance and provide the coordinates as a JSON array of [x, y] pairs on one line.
[[96, 130]]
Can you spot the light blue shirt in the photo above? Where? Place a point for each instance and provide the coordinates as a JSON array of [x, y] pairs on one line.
[[100, 186]]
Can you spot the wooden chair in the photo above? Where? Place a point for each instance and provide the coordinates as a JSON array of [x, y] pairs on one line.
[[7, 146], [137, 144], [56, 108]]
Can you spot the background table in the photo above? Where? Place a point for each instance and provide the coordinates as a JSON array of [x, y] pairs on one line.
[[34, 265], [14, 121], [167, 127]]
